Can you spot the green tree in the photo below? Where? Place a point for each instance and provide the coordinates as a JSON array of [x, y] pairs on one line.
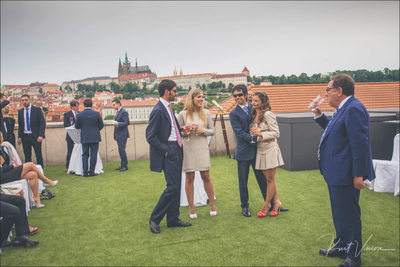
[[178, 107]]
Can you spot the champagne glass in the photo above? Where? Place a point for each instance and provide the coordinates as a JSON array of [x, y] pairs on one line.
[[187, 129], [252, 140]]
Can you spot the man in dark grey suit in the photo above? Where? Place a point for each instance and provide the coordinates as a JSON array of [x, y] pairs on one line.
[[31, 128], [69, 120], [121, 132], [90, 123]]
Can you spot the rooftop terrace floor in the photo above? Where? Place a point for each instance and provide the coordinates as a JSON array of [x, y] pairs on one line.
[[103, 220]]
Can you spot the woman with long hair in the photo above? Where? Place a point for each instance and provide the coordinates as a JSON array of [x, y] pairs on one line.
[[269, 156], [196, 124]]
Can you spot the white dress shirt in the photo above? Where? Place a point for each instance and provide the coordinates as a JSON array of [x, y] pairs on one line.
[[172, 136], [30, 119]]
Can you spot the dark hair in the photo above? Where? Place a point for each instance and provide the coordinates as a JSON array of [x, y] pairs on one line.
[[25, 96], [88, 103], [165, 85], [265, 106], [240, 87], [345, 81], [74, 103], [117, 101]]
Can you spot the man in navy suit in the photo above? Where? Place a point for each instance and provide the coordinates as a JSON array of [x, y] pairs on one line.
[[31, 128], [345, 161], [69, 120], [166, 154], [90, 123], [121, 132], [245, 152]]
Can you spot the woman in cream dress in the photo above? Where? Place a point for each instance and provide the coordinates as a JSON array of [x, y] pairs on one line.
[[196, 155], [269, 156]]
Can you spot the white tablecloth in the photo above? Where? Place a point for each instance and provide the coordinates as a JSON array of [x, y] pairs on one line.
[[200, 196], [75, 163]]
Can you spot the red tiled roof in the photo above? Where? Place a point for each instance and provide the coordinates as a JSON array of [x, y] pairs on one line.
[[245, 69], [16, 86], [135, 103], [229, 75], [187, 75], [50, 84], [296, 97]]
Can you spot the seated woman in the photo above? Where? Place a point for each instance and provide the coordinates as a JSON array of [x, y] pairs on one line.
[[13, 172]]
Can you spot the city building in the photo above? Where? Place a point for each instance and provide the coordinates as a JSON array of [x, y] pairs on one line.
[[138, 109]]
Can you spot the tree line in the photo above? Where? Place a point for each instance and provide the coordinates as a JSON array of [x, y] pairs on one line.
[[362, 75]]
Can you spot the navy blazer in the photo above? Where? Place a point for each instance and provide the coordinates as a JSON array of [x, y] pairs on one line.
[[157, 134], [90, 123], [37, 121], [69, 120], [240, 123], [345, 150], [121, 131]]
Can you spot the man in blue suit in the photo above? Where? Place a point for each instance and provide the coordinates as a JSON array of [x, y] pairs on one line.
[[121, 133], [90, 123], [31, 128], [345, 161], [69, 120], [245, 152], [166, 154]]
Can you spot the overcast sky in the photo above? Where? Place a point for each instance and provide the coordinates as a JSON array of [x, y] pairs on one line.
[[59, 41]]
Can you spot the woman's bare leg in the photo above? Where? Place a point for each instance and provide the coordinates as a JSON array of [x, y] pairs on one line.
[[31, 167], [189, 188], [208, 186]]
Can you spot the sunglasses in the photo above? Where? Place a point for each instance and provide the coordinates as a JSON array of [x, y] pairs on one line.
[[240, 95]]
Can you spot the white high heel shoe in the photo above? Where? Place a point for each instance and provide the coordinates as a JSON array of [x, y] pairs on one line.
[[193, 216], [52, 185], [39, 206], [213, 213]]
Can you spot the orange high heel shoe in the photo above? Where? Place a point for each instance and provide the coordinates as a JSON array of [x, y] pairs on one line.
[[274, 212]]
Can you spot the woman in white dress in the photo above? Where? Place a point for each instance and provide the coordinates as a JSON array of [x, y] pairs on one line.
[[269, 156], [196, 124]]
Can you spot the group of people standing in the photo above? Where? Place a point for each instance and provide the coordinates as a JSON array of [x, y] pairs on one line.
[[344, 153], [178, 144]]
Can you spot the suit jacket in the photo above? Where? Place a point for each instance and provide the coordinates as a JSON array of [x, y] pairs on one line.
[[90, 123], [10, 136], [345, 150], [2, 105], [157, 134], [240, 123], [37, 122], [69, 120], [123, 122]]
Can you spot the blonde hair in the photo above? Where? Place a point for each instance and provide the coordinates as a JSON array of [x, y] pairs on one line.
[[189, 105]]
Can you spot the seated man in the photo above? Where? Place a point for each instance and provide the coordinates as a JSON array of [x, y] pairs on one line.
[[12, 211]]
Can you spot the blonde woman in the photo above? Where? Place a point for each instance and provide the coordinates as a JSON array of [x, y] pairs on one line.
[[269, 156], [196, 124]]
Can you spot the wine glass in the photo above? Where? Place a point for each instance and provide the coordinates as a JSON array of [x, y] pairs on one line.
[[252, 140], [187, 129]]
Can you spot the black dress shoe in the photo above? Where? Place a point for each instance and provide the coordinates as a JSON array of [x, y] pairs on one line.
[[123, 169], [180, 223], [24, 241], [117, 169], [284, 209], [350, 262], [154, 228], [92, 174], [246, 212], [333, 252]]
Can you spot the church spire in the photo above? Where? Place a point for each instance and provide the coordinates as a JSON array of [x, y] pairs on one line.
[[136, 63], [126, 59], [119, 68]]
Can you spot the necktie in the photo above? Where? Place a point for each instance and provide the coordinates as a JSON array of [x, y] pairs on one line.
[[75, 115], [28, 122], [178, 134], [323, 134], [246, 109], [116, 114]]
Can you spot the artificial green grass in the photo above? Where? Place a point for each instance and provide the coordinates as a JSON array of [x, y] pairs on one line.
[[103, 220]]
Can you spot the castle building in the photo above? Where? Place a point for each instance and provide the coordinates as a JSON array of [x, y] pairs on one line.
[[126, 69]]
